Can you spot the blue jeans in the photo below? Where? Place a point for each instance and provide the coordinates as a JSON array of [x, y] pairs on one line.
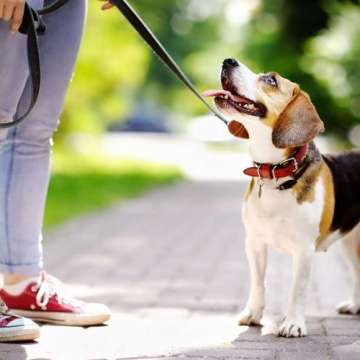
[[25, 150]]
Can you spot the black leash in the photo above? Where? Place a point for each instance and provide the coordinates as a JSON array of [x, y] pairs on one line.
[[32, 26], [144, 31]]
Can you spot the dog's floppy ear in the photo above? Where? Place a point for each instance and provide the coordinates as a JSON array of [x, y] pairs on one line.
[[238, 129], [298, 124]]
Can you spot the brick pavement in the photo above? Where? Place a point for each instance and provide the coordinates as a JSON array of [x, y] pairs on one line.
[[171, 265]]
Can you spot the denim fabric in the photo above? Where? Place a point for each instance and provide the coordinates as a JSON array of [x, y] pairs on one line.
[[25, 150]]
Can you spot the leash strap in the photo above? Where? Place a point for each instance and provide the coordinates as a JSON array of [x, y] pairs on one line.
[[32, 26], [56, 5], [145, 32]]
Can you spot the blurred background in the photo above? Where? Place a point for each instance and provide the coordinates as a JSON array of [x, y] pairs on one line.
[[129, 124]]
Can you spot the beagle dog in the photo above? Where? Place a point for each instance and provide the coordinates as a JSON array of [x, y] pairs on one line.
[[297, 200]]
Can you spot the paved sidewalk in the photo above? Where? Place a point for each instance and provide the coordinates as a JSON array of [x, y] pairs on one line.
[[172, 267]]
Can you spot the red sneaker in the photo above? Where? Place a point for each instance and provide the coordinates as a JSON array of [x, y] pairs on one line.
[[16, 328], [42, 299]]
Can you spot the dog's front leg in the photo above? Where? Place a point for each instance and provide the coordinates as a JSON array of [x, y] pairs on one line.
[[294, 323], [257, 258]]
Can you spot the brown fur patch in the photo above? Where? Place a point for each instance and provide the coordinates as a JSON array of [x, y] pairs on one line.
[[276, 98], [304, 189], [249, 189], [270, 119], [289, 152], [358, 250], [298, 124], [329, 204]]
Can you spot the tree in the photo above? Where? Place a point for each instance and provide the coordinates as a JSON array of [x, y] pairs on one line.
[[117, 69]]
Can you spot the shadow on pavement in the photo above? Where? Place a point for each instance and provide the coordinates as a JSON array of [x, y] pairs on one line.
[[16, 350]]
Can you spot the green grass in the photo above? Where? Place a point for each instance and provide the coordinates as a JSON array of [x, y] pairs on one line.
[[83, 183]]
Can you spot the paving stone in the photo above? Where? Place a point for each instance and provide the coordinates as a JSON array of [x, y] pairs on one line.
[[228, 351], [333, 340], [342, 331], [323, 355], [172, 266], [291, 345], [347, 352], [342, 321]]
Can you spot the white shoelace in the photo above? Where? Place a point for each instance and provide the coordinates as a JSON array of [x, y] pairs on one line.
[[46, 288]]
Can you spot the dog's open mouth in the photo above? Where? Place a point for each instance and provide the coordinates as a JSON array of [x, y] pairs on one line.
[[226, 98]]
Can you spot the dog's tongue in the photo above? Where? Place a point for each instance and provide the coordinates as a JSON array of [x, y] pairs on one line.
[[215, 93]]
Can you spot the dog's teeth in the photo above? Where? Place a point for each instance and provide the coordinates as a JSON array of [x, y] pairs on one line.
[[248, 106]]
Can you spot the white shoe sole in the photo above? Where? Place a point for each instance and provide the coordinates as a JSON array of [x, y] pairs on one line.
[[68, 319], [27, 333]]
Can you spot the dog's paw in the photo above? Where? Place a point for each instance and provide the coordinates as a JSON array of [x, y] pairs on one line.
[[349, 307], [292, 328], [250, 317]]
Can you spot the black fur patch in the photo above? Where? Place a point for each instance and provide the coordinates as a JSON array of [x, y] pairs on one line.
[[345, 171]]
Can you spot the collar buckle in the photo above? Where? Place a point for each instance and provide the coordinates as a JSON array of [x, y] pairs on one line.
[[286, 161], [283, 163], [275, 179]]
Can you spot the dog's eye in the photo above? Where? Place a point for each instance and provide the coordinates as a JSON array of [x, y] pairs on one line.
[[269, 79]]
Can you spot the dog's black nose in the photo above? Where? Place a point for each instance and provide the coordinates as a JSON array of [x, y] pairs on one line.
[[230, 63]]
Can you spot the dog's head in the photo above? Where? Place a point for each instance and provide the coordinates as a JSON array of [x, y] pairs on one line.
[[269, 100]]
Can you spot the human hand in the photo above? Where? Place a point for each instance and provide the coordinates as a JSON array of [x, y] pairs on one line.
[[107, 5], [13, 12]]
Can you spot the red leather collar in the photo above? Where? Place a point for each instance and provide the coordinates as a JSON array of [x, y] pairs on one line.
[[277, 171]]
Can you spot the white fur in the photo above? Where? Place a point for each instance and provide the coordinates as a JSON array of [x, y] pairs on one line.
[[260, 143], [275, 219], [261, 147]]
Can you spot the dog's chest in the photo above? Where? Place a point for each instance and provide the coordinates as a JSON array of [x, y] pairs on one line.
[[277, 218]]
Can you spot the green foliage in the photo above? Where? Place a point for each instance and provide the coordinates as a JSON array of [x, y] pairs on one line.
[[111, 67], [83, 183], [312, 42], [333, 59], [116, 69]]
